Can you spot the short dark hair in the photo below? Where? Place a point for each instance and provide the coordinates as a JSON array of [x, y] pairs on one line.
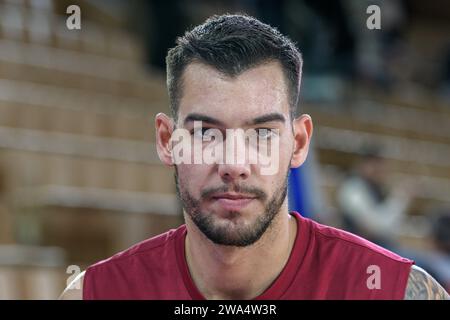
[[233, 44]]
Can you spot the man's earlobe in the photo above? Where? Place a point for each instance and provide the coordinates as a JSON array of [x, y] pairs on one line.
[[303, 129], [164, 128]]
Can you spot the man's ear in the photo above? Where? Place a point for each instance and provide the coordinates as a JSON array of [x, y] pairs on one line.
[[164, 128], [303, 129]]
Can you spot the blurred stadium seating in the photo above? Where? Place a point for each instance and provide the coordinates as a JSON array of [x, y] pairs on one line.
[[76, 146]]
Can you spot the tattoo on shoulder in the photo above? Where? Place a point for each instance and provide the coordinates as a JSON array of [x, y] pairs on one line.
[[422, 286]]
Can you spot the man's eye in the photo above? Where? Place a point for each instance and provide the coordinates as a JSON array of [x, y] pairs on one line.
[[265, 133], [202, 133]]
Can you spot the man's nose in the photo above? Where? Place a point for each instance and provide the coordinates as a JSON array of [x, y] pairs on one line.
[[232, 172], [236, 165]]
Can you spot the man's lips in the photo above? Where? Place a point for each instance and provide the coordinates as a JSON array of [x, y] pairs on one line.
[[232, 196], [232, 201]]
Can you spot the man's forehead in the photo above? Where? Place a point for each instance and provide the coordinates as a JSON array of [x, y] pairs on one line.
[[255, 92], [265, 73]]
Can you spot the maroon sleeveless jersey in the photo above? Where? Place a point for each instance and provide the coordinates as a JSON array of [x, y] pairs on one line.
[[325, 263]]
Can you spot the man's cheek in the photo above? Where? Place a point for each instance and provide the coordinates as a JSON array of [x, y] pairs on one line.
[[269, 158]]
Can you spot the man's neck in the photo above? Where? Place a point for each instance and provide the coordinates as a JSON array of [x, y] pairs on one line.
[[227, 272]]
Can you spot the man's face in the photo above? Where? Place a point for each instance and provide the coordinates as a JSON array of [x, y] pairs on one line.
[[234, 204], [374, 169]]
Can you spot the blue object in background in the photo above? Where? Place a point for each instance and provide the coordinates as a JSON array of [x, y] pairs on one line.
[[298, 191]]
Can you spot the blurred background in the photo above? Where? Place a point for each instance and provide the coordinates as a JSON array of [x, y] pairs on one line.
[[79, 175]]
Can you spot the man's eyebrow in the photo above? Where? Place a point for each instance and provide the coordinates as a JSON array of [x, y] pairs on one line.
[[258, 120], [201, 117], [267, 118]]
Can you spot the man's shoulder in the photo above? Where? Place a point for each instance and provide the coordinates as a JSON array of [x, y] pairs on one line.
[[352, 243], [148, 247], [422, 286], [74, 291], [126, 274]]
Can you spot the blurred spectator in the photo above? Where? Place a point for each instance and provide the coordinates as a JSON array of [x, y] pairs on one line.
[[335, 17], [379, 51], [436, 260], [441, 232], [368, 207]]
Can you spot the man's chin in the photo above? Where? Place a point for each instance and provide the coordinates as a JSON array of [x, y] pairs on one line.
[[229, 233], [232, 228]]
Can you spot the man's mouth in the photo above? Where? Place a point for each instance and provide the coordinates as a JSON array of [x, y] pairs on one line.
[[231, 201]]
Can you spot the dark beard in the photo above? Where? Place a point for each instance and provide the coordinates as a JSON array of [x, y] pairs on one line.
[[220, 235]]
